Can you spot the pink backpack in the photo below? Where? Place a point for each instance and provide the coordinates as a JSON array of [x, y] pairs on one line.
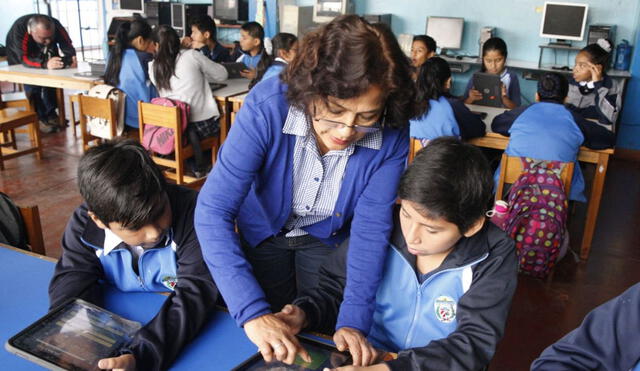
[[160, 139]]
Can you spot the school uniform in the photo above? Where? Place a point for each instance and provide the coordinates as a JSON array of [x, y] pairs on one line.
[[509, 79], [601, 100], [550, 131], [92, 256], [607, 339], [250, 61], [447, 116], [449, 319], [275, 69], [259, 184], [134, 81], [218, 54]]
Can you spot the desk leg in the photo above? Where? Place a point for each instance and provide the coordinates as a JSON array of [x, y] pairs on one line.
[[594, 204], [225, 120], [61, 110]]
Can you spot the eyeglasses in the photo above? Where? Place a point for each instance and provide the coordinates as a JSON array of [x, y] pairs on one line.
[[376, 126]]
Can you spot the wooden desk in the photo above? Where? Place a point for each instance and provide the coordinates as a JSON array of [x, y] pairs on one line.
[[600, 158], [223, 96], [59, 79]]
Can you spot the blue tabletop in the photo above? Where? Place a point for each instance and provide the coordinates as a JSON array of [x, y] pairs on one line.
[[24, 280]]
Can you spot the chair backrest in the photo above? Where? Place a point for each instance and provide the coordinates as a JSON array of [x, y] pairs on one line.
[[33, 227], [511, 168], [414, 147], [162, 116], [102, 108]]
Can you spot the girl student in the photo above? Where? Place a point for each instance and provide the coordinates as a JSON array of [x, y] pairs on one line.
[[445, 115], [127, 66], [184, 75], [494, 58], [592, 93], [285, 47], [252, 46]]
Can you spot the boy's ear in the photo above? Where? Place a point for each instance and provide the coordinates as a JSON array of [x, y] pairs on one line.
[[476, 227], [98, 222], [447, 84], [207, 35]]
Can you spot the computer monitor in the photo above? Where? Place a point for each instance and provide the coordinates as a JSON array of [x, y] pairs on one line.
[[231, 11], [564, 21], [137, 5], [326, 10], [178, 21], [446, 31]]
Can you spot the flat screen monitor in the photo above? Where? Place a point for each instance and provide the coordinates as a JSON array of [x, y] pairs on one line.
[[446, 31], [231, 10], [327, 10], [565, 21], [132, 5], [177, 16]]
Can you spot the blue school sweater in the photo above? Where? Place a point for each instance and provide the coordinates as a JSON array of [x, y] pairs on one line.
[[249, 60], [447, 116], [134, 81], [251, 185]]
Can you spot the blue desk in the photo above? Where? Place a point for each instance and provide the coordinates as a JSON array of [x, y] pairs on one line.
[[24, 280]]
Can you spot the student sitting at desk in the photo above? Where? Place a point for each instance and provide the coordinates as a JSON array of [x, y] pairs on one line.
[[494, 59], [127, 67], [184, 75], [285, 48], [136, 232], [203, 38], [592, 93], [252, 46], [449, 276], [423, 47], [547, 130], [445, 115], [33, 41]]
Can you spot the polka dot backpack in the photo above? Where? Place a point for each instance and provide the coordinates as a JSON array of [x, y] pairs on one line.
[[537, 216]]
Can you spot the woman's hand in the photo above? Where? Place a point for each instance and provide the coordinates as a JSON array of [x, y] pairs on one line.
[[273, 336], [508, 103], [362, 353], [474, 95], [125, 362]]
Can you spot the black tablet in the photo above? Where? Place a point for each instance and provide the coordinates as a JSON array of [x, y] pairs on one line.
[[73, 336], [491, 88], [322, 355], [234, 69]]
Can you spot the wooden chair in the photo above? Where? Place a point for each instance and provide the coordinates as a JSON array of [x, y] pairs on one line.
[[103, 108], [33, 227], [12, 118], [414, 147], [169, 117], [511, 168]]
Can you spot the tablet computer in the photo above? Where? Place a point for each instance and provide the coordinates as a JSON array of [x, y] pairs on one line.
[[73, 336], [322, 356], [234, 68], [491, 88]]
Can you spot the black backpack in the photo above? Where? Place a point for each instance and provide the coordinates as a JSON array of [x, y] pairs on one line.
[[12, 230]]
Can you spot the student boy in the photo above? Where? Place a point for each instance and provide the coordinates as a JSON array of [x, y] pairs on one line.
[[136, 232], [203, 38], [449, 277]]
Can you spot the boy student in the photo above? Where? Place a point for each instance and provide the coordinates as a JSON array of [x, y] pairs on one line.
[[203, 38], [448, 279], [136, 232], [252, 46]]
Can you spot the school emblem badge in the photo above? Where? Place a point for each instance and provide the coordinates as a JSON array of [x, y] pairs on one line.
[[445, 308], [170, 282]]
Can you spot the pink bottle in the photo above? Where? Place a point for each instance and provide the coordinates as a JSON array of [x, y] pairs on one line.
[[499, 213]]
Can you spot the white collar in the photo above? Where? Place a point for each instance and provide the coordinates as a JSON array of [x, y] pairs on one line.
[[111, 241], [278, 59]]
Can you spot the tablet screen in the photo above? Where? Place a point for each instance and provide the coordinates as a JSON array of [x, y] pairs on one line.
[[322, 355], [75, 336]]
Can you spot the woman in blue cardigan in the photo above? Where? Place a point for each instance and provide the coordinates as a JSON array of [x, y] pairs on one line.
[[310, 160]]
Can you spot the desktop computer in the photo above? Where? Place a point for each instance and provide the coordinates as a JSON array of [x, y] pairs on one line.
[[378, 18], [601, 31], [446, 31], [296, 20]]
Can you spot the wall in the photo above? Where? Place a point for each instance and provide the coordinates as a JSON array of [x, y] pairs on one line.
[[12, 10]]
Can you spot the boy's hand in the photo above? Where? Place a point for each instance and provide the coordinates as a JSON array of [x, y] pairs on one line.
[[186, 42], [378, 367], [474, 95], [274, 337], [249, 73], [55, 63], [125, 362], [362, 353], [294, 317]]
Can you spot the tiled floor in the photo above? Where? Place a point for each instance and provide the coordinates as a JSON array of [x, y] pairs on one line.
[[541, 312]]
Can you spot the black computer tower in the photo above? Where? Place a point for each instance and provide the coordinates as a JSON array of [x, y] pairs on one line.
[[601, 31], [378, 18]]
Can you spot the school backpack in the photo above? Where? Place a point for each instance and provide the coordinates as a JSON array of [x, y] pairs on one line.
[[537, 216], [159, 139], [12, 229], [97, 126]]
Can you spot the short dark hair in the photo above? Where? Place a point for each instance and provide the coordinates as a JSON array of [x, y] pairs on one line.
[[553, 87], [204, 23], [494, 43], [343, 58], [449, 179], [121, 183], [255, 30], [428, 41]]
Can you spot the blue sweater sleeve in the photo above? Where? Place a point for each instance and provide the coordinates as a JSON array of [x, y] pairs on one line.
[[607, 339], [369, 239], [470, 124], [239, 161]]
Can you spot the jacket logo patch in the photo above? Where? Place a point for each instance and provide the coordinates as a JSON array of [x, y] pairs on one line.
[[445, 308], [170, 282]]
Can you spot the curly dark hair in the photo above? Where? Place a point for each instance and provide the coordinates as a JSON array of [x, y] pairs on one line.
[[343, 59]]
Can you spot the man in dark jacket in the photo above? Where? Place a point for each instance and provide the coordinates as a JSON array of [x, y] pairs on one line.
[[33, 41]]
